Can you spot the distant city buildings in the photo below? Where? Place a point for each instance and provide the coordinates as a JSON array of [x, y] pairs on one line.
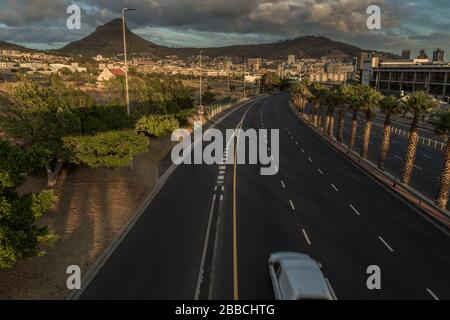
[[422, 55], [254, 64], [438, 55], [406, 54], [291, 59]]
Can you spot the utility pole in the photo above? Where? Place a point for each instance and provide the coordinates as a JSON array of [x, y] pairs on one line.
[[126, 60], [200, 91], [245, 69]]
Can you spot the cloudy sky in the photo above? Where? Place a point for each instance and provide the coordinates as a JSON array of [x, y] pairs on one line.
[[410, 24]]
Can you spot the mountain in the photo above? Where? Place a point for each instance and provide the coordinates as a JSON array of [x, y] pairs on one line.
[[11, 46], [107, 40]]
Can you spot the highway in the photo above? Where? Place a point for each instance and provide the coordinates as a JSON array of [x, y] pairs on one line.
[[209, 231]]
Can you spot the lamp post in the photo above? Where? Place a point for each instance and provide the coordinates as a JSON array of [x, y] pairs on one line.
[[126, 61], [200, 89]]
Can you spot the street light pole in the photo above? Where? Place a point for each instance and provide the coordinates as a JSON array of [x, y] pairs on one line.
[[126, 60], [200, 91], [244, 81]]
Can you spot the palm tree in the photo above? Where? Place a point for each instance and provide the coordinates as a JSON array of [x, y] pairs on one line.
[[331, 98], [442, 127], [419, 104], [354, 105], [342, 99], [369, 98], [316, 98], [388, 106], [300, 94]]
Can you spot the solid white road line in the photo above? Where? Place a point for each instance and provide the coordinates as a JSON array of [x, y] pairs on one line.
[[205, 247], [306, 237], [386, 244], [282, 183], [331, 289], [320, 171], [356, 211], [292, 205], [432, 294], [334, 187]]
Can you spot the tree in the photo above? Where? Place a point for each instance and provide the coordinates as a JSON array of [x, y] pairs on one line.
[[271, 81], [369, 99], [354, 105], [106, 149], [388, 106], [316, 98], [419, 104], [41, 116], [442, 127], [300, 94], [157, 125], [20, 237], [208, 97], [332, 100], [342, 99]]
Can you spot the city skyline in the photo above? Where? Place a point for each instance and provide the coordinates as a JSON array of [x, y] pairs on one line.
[[199, 23]]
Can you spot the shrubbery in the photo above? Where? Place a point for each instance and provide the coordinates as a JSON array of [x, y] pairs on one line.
[[19, 236], [106, 149], [157, 125]]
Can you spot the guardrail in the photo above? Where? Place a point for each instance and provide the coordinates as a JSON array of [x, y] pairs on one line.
[[423, 202]]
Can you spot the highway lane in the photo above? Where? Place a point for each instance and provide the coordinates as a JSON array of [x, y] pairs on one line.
[[322, 205], [160, 257]]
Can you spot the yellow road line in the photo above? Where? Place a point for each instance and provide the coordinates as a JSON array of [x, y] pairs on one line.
[[235, 255]]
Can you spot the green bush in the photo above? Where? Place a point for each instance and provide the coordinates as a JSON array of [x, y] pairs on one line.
[[106, 149], [184, 116], [20, 237], [157, 125]]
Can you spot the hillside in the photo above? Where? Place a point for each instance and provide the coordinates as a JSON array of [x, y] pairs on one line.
[[107, 40]]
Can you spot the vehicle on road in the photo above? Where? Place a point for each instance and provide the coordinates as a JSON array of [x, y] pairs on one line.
[[296, 276]]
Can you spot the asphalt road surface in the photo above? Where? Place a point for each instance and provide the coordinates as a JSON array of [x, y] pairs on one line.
[[210, 230]]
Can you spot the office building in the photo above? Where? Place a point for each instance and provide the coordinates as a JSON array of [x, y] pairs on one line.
[[422, 55], [398, 77], [438, 55], [406, 54]]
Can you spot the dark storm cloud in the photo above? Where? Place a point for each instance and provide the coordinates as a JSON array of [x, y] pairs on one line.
[[403, 21]]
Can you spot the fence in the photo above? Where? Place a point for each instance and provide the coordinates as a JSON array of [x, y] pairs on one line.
[[214, 110], [425, 141]]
